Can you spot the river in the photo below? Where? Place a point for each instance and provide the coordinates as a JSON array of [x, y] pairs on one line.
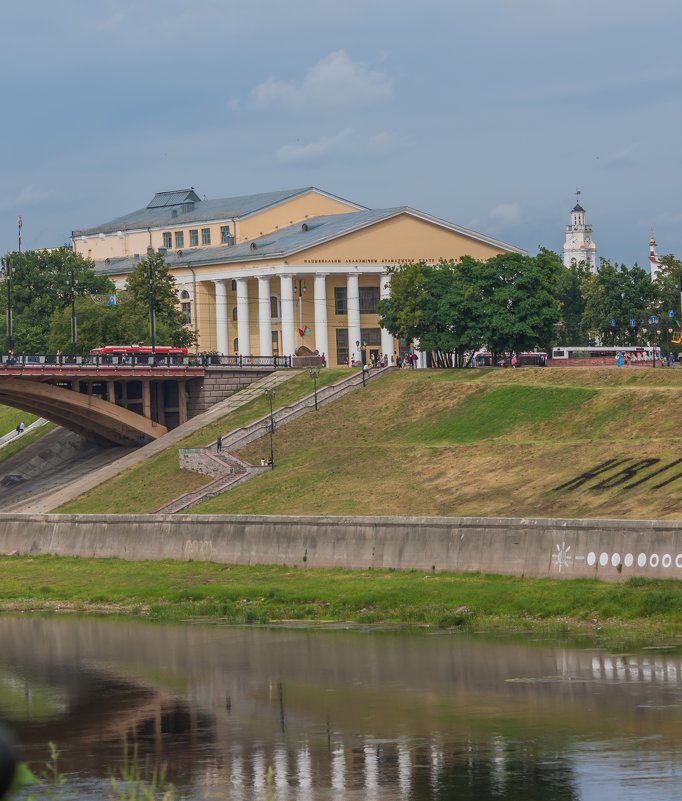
[[308, 715]]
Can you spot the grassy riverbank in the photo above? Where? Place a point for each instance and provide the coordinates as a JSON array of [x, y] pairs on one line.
[[638, 612]]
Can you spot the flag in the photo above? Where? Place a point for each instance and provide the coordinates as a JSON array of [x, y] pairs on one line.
[[304, 332]]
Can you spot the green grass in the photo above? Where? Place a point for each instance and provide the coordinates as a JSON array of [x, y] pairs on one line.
[[492, 412], [642, 610], [159, 479], [450, 443]]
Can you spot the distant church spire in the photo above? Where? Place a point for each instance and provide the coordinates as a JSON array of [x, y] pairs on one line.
[[578, 244], [654, 261]]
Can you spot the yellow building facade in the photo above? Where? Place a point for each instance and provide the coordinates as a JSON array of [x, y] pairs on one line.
[[263, 274]]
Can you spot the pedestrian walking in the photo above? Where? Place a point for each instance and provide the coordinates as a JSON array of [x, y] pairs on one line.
[[219, 444]]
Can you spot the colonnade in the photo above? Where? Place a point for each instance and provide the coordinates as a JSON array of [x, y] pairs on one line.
[[287, 315]]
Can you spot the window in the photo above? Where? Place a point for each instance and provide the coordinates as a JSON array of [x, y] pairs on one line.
[[225, 237], [205, 236], [167, 240], [234, 285], [340, 303], [184, 295], [369, 297], [370, 336], [274, 307], [275, 343], [342, 345], [234, 314], [187, 313], [236, 345], [193, 238], [179, 239]]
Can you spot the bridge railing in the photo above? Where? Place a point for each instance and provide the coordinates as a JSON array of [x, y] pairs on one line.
[[141, 360]]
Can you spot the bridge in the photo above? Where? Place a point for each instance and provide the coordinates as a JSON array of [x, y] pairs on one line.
[[129, 400]]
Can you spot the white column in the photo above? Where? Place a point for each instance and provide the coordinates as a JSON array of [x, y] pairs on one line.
[[386, 337], [320, 303], [243, 316], [264, 316], [287, 313], [353, 303], [221, 336]]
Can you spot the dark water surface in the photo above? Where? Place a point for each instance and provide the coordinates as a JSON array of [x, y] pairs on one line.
[[342, 714]]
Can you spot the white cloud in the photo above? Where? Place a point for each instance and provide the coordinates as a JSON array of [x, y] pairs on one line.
[[315, 150], [621, 157], [506, 214], [334, 82], [347, 143]]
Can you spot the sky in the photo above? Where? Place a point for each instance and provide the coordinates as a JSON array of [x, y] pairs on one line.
[[487, 113]]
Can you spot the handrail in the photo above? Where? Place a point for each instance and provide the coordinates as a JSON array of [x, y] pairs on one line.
[[61, 360]]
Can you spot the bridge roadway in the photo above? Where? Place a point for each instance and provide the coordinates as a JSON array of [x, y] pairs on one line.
[[122, 404]]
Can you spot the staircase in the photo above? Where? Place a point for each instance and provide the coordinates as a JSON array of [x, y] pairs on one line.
[[229, 468]]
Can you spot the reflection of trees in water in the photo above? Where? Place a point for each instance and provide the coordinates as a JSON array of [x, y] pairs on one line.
[[480, 772]]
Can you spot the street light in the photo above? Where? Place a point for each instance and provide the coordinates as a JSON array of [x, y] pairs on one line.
[[357, 348], [73, 312], [270, 394], [152, 304], [314, 373]]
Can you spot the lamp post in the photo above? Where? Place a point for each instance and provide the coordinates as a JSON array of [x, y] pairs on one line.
[[270, 394], [152, 310], [314, 373], [72, 282], [7, 268], [357, 349]]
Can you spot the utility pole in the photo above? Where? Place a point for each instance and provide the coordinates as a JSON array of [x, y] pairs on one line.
[[152, 312], [20, 225], [73, 312], [7, 268]]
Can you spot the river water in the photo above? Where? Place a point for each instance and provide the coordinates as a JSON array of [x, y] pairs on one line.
[[302, 715]]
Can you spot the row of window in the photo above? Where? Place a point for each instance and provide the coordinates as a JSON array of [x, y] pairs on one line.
[[225, 237], [369, 298], [371, 337]]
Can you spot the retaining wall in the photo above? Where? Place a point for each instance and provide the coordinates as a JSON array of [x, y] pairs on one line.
[[218, 384], [613, 550]]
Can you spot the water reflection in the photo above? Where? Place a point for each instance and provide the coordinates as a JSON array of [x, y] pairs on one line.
[[301, 715]]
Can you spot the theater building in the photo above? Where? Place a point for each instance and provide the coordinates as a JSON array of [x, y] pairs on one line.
[[262, 274]]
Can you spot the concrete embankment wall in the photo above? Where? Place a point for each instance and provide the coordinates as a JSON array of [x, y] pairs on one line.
[[613, 550]]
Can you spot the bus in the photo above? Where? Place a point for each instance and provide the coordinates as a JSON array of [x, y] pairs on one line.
[[605, 354], [138, 350], [484, 358], [140, 354]]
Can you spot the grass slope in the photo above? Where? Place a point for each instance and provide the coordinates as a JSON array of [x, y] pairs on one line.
[[159, 480], [487, 442], [474, 442]]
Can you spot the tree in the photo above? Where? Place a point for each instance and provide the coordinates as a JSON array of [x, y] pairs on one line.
[[670, 290], [96, 326], [619, 303], [135, 307], [42, 285], [519, 307], [573, 286], [453, 308]]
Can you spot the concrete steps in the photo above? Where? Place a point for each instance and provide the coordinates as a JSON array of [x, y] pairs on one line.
[[237, 439]]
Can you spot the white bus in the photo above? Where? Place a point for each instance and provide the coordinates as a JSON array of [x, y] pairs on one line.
[[641, 353]]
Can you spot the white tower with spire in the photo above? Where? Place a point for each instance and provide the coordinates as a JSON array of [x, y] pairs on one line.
[[654, 261], [578, 243]]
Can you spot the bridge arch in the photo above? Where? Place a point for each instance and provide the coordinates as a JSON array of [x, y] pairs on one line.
[[87, 415]]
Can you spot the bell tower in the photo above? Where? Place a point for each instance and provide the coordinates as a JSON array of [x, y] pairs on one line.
[[578, 243]]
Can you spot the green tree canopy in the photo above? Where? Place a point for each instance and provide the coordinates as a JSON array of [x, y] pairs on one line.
[[624, 295], [41, 287], [135, 304]]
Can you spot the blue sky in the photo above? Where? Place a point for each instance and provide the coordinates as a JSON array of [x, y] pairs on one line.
[[488, 113]]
